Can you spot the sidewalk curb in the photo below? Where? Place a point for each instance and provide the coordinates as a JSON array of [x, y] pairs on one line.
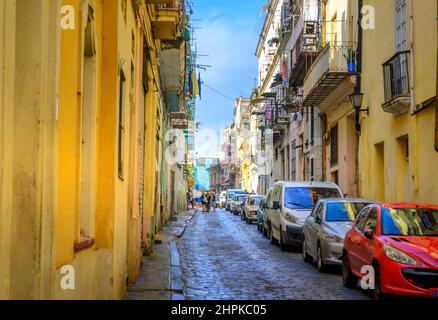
[[175, 275]]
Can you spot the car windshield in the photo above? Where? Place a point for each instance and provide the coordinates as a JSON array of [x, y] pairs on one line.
[[409, 222], [306, 197], [239, 198], [343, 211], [255, 201]]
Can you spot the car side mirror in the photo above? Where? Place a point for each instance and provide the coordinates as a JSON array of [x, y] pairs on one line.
[[369, 234], [276, 205], [318, 220]]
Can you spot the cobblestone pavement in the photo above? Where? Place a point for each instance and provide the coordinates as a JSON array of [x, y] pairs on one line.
[[225, 258]]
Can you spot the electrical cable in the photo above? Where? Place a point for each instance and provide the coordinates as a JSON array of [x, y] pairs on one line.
[[218, 92]]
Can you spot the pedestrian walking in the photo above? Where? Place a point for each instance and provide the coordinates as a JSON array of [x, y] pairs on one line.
[[189, 200], [213, 201]]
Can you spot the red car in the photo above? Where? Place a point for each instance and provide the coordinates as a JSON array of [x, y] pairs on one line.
[[400, 242]]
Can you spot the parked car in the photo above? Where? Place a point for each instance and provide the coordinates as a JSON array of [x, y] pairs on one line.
[[400, 241], [260, 214], [251, 206], [290, 203], [222, 199], [237, 203], [266, 220], [230, 194], [325, 228]]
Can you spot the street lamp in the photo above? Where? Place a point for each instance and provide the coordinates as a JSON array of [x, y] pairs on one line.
[[356, 100]]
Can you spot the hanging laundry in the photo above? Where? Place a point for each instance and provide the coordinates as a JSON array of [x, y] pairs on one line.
[[195, 84], [199, 85]]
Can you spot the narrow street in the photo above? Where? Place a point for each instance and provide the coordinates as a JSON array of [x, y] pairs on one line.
[[224, 258]]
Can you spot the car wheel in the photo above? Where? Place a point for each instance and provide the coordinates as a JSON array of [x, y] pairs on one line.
[[319, 260], [306, 257], [283, 246], [271, 236], [378, 295], [348, 278], [264, 230]]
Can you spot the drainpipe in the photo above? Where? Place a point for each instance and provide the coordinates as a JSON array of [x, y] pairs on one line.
[[414, 118], [359, 61], [358, 88]]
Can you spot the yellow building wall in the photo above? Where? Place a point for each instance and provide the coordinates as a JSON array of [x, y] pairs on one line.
[[41, 153], [386, 179], [7, 78], [27, 153]]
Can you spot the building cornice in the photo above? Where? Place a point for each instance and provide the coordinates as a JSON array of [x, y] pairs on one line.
[[268, 19]]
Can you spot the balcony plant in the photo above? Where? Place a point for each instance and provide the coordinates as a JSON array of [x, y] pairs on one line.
[[351, 58]]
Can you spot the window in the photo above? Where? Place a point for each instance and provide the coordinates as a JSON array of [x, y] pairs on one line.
[[88, 131], [255, 201], [121, 123], [145, 78], [379, 171], [124, 6], [343, 211], [312, 169], [400, 25], [293, 161], [372, 220], [133, 43], [334, 146], [360, 222], [410, 222], [318, 212], [307, 197], [312, 124]]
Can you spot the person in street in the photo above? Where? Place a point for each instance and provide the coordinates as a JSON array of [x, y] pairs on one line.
[[213, 200], [204, 201], [208, 201], [189, 200]]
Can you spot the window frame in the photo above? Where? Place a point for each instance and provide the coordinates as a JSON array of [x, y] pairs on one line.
[[121, 126], [362, 215]]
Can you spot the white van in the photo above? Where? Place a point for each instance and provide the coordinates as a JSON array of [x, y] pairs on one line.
[[290, 203]]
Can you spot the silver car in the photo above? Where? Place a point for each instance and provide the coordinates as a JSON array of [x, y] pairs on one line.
[[236, 203], [324, 230]]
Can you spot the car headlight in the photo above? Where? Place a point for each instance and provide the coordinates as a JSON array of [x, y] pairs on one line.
[[334, 238], [399, 256], [291, 218]]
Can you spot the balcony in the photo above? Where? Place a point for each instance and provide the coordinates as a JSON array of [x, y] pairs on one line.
[[280, 119], [166, 21], [396, 84], [328, 71], [178, 120], [303, 54], [296, 6]]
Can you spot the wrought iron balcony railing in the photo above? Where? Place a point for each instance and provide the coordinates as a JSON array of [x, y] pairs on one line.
[[396, 76]]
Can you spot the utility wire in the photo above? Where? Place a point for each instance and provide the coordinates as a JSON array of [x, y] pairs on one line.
[[218, 92]]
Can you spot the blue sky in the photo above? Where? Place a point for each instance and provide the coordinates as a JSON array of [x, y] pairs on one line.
[[228, 32]]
